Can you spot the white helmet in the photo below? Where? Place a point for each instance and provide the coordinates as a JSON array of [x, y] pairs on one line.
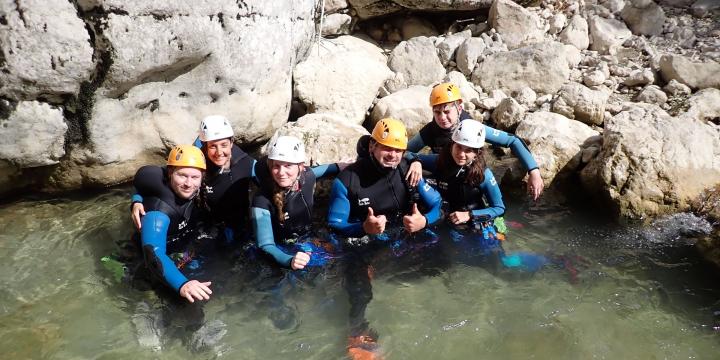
[[287, 148], [470, 133], [215, 127]]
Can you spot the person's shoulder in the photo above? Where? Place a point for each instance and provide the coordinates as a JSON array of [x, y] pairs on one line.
[[261, 200], [153, 171]]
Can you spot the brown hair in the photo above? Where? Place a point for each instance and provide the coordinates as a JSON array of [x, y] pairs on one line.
[[278, 194], [476, 170]]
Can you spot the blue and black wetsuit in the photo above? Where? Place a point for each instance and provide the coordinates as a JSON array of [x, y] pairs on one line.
[[367, 184], [166, 226], [282, 240], [436, 138]]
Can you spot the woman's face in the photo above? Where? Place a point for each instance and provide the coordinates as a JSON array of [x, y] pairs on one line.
[[446, 115], [284, 173], [185, 181], [219, 151], [462, 154]]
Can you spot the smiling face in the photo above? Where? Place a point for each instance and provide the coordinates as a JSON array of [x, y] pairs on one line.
[[219, 151], [284, 173], [446, 115], [463, 155], [185, 181], [385, 155]]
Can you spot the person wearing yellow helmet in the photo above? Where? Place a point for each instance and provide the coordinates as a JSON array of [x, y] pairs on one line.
[[171, 205], [373, 209], [446, 102], [229, 173]]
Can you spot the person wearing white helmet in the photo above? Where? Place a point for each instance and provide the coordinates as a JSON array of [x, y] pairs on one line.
[[282, 211], [227, 181]]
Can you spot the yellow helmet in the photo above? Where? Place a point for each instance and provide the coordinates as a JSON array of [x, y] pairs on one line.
[[186, 156], [444, 93], [390, 132]]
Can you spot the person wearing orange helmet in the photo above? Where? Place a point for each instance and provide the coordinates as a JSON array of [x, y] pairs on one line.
[[372, 208], [171, 213], [446, 103]]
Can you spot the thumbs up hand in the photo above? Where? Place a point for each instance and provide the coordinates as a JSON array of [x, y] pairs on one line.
[[415, 221], [374, 225]]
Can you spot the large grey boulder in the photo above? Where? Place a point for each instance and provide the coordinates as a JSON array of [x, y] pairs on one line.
[[44, 50], [696, 75], [33, 135], [606, 35], [508, 114], [555, 141], [517, 26], [328, 138], [643, 17], [417, 60], [341, 76], [652, 163], [542, 67], [336, 24], [409, 106], [576, 33], [579, 102]]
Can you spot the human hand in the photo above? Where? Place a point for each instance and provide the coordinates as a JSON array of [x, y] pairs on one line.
[[374, 225], [299, 261], [535, 185], [195, 290], [137, 212], [414, 174], [459, 217], [415, 221]]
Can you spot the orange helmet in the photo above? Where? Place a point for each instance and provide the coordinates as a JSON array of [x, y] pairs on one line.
[[444, 93], [390, 132], [186, 156]]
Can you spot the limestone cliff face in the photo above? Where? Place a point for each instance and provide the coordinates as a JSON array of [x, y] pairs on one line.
[[91, 89]]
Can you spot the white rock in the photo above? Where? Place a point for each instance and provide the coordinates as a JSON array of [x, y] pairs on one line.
[[468, 54], [508, 114], [557, 23], [336, 24], [555, 142], [640, 77], [652, 94], [541, 67], [646, 18], [703, 106], [417, 60], [447, 48], [607, 34], [33, 135], [693, 74], [333, 6], [517, 26], [576, 33], [409, 106], [414, 27], [594, 78], [674, 87], [526, 96], [344, 79], [44, 50], [576, 101]]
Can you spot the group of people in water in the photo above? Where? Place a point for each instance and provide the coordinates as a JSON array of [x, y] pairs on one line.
[[379, 201]]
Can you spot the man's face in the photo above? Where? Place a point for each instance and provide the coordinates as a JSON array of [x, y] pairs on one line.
[[185, 181], [385, 155]]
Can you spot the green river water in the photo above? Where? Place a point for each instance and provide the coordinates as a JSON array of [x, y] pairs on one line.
[[639, 293]]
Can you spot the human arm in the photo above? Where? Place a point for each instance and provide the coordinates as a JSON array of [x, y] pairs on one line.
[[339, 212], [137, 210], [415, 144], [262, 225], [327, 170], [519, 148], [490, 188], [432, 200]]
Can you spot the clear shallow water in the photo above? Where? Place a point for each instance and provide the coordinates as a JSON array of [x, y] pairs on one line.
[[639, 293]]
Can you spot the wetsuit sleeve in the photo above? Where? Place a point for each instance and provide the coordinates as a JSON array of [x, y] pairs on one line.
[[339, 212], [153, 236], [322, 171], [415, 144], [432, 200], [253, 174], [262, 224], [197, 143], [428, 161], [491, 190], [516, 145]]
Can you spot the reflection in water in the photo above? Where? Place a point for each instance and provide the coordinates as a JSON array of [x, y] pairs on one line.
[[610, 292]]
